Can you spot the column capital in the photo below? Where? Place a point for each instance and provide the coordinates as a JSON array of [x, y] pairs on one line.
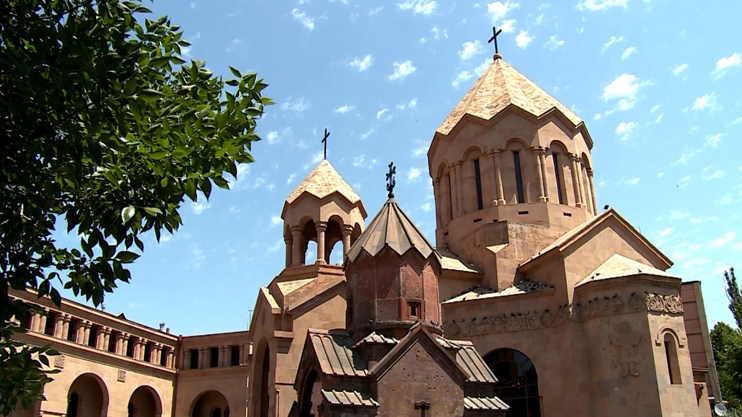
[[493, 152], [320, 225], [288, 237], [107, 330], [457, 164], [347, 228], [589, 172], [574, 157], [296, 229], [67, 318], [437, 180], [125, 336], [87, 324]]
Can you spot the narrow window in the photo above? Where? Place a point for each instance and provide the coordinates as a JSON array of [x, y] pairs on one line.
[[671, 353], [518, 178], [557, 174], [414, 309], [72, 331], [478, 177], [130, 347], [214, 358], [194, 359], [147, 352], [450, 197], [163, 356], [235, 357], [50, 319], [112, 342], [93, 336]]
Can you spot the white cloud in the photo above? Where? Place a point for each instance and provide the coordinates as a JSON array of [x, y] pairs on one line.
[[507, 26], [414, 173], [723, 240], [625, 89], [425, 7], [628, 52], [498, 10], [199, 208], [686, 156], [290, 178], [719, 173], [611, 41], [595, 5], [380, 113], [297, 105], [359, 161], [426, 207], [272, 137], [367, 133], [714, 139], [633, 181], [624, 129], [666, 232], [724, 64], [697, 261], [402, 70], [344, 108], [707, 101], [302, 17], [678, 215], [726, 200], [375, 11], [234, 44], [410, 105], [680, 68], [470, 50], [655, 108], [276, 220], [522, 40], [554, 43], [361, 64], [598, 116], [420, 150]]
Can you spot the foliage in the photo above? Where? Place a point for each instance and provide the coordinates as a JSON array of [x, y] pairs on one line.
[[105, 130], [735, 296], [727, 345]]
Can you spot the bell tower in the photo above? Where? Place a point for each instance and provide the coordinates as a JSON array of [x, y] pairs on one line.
[[509, 159]]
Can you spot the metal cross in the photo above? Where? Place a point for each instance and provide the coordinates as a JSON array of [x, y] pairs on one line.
[[324, 141], [495, 32], [422, 406], [390, 182]]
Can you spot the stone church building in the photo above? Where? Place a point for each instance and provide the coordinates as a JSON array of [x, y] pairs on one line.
[[532, 302]]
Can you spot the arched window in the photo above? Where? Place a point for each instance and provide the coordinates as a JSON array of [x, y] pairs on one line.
[[559, 177], [671, 353], [517, 382], [478, 181], [216, 412], [518, 178], [130, 410], [72, 405]]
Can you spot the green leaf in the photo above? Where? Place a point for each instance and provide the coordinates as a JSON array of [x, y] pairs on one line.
[[135, 109], [153, 210], [126, 256], [158, 155], [127, 213], [181, 152], [149, 94], [235, 72]]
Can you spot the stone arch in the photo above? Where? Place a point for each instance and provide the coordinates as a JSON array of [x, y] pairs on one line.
[[261, 379], [145, 402], [207, 403], [333, 236], [559, 171], [517, 383], [310, 395], [519, 185], [87, 397], [308, 235]]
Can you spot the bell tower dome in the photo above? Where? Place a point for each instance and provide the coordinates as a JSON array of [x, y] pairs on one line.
[[509, 153], [323, 209]]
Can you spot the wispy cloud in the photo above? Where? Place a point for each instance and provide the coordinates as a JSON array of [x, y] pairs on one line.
[[595, 5], [426, 207], [275, 220], [611, 41], [666, 232], [713, 140], [624, 89], [420, 150], [498, 10], [303, 18], [554, 43], [726, 63], [291, 178], [381, 113], [424, 7], [633, 181], [414, 173], [624, 129], [345, 108], [409, 105], [706, 101], [402, 70], [362, 64], [200, 207], [295, 105], [680, 68], [628, 52], [374, 12], [368, 133], [470, 50], [723, 240], [523, 40]]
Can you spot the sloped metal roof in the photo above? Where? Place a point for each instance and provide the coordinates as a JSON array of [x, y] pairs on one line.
[[469, 360], [499, 87], [349, 398], [377, 339], [393, 228], [485, 403], [334, 351]]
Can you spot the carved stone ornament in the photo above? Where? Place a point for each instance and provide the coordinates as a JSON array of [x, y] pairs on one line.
[[660, 303], [59, 361], [626, 341], [121, 376]]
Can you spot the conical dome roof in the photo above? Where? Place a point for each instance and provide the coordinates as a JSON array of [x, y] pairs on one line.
[[499, 87], [323, 181], [391, 227]]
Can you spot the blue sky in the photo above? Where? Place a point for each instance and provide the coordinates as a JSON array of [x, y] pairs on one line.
[[657, 83]]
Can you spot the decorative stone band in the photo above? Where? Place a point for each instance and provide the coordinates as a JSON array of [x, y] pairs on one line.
[[597, 307]]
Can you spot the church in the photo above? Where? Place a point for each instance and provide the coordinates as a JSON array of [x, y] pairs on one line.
[[531, 302]]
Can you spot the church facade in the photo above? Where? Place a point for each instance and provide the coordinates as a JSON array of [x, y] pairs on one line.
[[532, 301]]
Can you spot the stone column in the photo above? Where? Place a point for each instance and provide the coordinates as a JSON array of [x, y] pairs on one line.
[[574, 159], [156, 355], [117, 343], [58, 325], [347, 231], [186, 359], [201, 354], [542, 161], [80, 333], [498, 178], [592, 190], [296, 246], [540, 171], [321, 228], [288, 240], [66, 326], [42, 321], [242, 354], [438, 206], [125, 344], [86, 332], [170, 364], [106, 338], [586, 187], [35, 321], [457, 189]]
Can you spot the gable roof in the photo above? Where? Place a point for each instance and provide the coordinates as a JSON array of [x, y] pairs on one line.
[[573, 236], [619, 266], [501, 86], [346, 398], [393, 228], [323, 181], [469, 359], [335, 354]]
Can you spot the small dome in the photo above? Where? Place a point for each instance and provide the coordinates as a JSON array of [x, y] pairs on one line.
[[323, 181]]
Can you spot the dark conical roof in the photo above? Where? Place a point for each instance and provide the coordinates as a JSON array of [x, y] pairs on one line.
[[391, 227]]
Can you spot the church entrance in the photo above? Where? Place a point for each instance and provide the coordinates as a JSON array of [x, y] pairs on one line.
[[210, 404], [144, 402], [88, 397], [517, 382]]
